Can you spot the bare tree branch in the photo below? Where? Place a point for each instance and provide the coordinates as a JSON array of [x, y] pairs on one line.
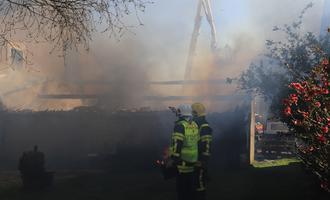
[[65, 23]]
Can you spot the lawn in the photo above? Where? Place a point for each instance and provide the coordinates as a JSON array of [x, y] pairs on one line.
[[275, 163]]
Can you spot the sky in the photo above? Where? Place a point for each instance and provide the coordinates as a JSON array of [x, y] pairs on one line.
[[168, 25], [165, 35]]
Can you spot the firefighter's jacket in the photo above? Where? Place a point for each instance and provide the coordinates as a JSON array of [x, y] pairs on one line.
[[184, 146], [204, 144]]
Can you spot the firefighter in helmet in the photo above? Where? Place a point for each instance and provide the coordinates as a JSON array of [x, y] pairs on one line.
[[184, 152], [204, 144]]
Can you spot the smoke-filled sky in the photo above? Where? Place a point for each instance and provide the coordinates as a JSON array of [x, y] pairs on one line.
[[158, 50], [235, 19]]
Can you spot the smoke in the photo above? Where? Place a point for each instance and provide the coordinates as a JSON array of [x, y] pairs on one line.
[[121, 69], [119, 73], [115, 73]]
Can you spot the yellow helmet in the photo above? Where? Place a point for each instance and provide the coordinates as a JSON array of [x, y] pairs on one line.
[[198, 109]]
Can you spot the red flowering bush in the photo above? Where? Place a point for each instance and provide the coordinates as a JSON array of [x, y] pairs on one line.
[[307, 112]]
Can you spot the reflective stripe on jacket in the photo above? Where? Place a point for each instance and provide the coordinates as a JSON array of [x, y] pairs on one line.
[[205, 140]]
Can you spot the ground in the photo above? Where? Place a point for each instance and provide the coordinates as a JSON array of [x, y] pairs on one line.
[[264, 182]]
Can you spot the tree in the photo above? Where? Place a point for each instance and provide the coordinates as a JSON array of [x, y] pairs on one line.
[[64, 23], [306, 111], [284, 62], [294, 76]]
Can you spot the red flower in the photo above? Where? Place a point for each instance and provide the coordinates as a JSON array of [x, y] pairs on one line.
[[325, 91], [294, 98], [317, 104], [322, 139], [325, 129], [298, 87], [325, 62], [287, 111]]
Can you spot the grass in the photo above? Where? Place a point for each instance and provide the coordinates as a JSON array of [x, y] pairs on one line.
[[275, 163]]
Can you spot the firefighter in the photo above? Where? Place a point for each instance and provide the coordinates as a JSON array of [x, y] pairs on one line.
[[204, 144], [184, 152]]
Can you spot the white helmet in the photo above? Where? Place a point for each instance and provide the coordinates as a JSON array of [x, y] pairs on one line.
[[185, 110]]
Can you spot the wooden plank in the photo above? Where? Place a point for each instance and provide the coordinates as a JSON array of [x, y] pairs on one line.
[[252, 132]]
